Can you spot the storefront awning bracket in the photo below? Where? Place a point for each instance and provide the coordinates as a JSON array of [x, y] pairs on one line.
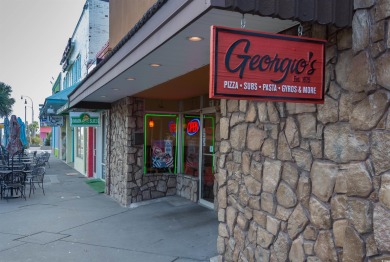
[[300, 29], [243, 21]]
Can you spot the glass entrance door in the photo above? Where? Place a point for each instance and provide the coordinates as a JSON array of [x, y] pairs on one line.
[[206, 167], [198, 153]]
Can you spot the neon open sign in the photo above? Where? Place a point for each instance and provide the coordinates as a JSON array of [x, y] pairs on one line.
[[193, 127], [172, 127]]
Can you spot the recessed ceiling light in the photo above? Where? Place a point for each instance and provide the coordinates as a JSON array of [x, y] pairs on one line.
[[155, 65], [115, 89], [130, 78], [102, 96], [195, 38]]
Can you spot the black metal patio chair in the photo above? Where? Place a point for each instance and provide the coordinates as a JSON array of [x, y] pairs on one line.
[[39, 162], [46, 158], [36, 177]]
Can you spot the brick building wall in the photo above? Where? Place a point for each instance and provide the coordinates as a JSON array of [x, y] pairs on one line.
[[98, 26]]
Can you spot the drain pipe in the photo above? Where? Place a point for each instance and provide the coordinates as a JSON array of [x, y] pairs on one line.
[[108, 153]]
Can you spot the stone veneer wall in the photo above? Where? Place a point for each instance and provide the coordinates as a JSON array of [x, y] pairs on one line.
[[115, 165], [301, 182], [187, 187], [126, 182]]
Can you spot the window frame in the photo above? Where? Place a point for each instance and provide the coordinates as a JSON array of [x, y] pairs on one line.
[[80, 142], [176, 118]]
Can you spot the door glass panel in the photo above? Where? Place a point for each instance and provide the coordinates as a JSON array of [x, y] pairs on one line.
[[191, 135], [63, 141], [207, 180]]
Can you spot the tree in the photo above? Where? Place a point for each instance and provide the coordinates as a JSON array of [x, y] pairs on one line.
[[48, 139], [6, 102], [36, 140], [32, 128]]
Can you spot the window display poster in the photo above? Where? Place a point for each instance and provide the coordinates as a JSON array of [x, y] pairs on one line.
[[162, 154], [192, 157]]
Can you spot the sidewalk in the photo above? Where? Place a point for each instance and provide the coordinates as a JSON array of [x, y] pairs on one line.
[[74, 223]]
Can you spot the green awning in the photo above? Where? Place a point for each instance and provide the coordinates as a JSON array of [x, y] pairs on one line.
[[63, 110], [57, 100], [61, 96]]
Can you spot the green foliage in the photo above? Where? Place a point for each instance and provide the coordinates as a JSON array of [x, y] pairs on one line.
[[48, 139], [36, 140], [31, 132], [6, 102], [33, 128]]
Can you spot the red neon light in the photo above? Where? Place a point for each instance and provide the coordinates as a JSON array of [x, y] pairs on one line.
[[193, 127], [172, 127]]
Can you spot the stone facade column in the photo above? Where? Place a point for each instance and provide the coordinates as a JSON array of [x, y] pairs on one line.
[[304, 182], [127, 181], [125, 159]]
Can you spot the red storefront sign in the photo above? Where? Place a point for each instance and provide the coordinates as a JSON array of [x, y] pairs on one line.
[[267, 67]]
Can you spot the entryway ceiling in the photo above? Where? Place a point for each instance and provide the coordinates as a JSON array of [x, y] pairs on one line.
[[184, 69]]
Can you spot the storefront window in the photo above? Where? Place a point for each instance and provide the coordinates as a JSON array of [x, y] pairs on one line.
[[80, 142], [160, 143], [63, 143]]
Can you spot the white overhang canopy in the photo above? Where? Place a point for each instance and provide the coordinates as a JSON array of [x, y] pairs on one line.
[[163, 40]]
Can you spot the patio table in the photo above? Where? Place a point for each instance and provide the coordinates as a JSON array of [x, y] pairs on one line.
[[9, 167], [5, 172], [8, 172]]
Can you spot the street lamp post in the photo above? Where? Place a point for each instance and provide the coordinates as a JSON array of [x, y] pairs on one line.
[[32, 113], [32, 106], [25, 111]]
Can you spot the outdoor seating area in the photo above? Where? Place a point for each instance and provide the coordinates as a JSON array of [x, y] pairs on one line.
[[22, 172], [18, 169]]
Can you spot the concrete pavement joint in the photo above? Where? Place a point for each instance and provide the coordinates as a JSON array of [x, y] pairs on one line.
[[128, 249], [10, 248], [42, 238], [96, 220], [38, 204], [5, 233]]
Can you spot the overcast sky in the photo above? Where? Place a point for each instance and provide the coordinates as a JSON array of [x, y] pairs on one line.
[[33, 36]]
